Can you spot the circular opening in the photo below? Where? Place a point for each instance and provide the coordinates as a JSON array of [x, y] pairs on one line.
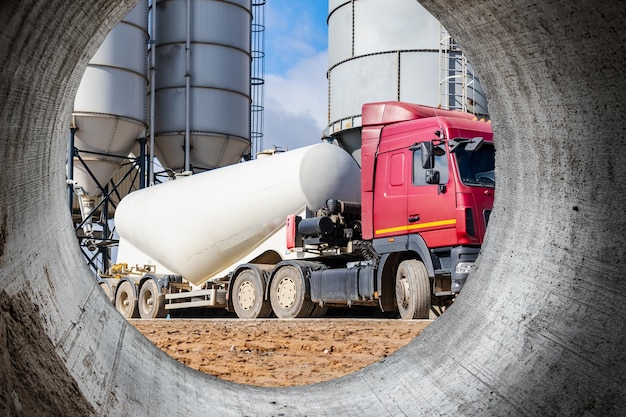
[[312, 335]]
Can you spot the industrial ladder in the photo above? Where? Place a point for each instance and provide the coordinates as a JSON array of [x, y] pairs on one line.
[[453, 80]]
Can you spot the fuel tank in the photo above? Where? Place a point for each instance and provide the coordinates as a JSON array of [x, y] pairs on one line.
[[198, 225]]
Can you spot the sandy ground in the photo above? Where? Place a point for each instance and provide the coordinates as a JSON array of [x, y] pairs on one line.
[[275, 352]]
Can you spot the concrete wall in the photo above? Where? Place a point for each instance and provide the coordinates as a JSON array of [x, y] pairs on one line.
[[539, 329]]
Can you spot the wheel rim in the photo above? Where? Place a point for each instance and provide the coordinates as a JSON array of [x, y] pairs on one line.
[[148, 301], [402, 295], [286, 293], [246, 295], [124, 304]]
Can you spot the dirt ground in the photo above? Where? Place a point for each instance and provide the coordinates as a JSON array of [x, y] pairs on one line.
[[274, 352]]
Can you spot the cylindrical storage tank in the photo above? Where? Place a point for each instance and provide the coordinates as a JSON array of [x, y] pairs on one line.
[[476, 99], [198, 225], [212, 106], [109, 108], [379, 51]]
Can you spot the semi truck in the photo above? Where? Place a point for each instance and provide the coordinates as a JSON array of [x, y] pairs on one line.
[[293, 234]]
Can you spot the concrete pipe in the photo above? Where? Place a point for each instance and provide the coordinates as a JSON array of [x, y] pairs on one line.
[[538, 330]]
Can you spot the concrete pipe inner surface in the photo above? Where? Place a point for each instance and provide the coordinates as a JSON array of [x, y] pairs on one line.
[[538, 330]]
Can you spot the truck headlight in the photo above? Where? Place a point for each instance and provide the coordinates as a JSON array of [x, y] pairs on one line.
[[464, 267]]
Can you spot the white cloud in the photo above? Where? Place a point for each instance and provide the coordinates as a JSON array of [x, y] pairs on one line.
[[289, 131], [296, 104]]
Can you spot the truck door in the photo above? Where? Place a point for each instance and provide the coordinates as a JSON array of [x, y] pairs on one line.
[[391, 183], [431, 208]]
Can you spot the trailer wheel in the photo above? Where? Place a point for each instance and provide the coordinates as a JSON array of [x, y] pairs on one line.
[[248, 300], [125, 301], [106, 289], [413, 290], [151, 304], [288, 294]]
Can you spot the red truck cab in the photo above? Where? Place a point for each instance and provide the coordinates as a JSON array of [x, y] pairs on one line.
[[427, 181], [427, 188]]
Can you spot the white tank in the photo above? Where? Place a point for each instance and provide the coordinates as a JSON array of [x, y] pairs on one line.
[[199, 225], [218, 67], [109, 108], [380, 51]]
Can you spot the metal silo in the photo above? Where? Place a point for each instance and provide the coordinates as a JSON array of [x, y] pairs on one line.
[[379, 51], [202, 88], [109, 109]]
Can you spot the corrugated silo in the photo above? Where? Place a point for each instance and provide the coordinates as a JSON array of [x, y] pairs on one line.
[[379, 51], [202, 96], [109, 108]]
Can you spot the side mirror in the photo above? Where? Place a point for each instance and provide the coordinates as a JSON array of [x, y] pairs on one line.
[[428, 156], [432, 176]]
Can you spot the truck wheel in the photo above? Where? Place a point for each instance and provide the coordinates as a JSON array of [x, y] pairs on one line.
[[413, 290], [151, 304], [288, 294], [248, 300], [318, 311], [106, 289], [125, 301]]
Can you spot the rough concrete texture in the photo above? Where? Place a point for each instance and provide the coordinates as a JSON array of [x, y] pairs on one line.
[[539, 329]]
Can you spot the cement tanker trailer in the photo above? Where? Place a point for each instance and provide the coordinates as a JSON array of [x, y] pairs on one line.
[[295, 233], [183, 238]]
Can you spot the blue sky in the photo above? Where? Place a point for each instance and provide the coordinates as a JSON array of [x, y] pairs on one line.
[[296, 60], [295, 30]]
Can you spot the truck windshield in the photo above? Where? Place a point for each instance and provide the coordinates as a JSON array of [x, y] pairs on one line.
[[476, 167]]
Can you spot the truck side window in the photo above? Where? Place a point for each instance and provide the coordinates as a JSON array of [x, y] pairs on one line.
[[419, 173]]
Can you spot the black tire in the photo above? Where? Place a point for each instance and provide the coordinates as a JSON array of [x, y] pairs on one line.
[[151, 304], [247, 296], [106, 289], [413, 290], [288, 294], [125, 301], [318, 311]]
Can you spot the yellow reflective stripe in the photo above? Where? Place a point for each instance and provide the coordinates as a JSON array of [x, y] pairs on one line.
[[410, 227]]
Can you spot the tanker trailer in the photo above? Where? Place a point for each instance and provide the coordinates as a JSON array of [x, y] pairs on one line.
[[183, 238]]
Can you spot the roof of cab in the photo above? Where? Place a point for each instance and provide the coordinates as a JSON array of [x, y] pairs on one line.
[[388, 112]]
